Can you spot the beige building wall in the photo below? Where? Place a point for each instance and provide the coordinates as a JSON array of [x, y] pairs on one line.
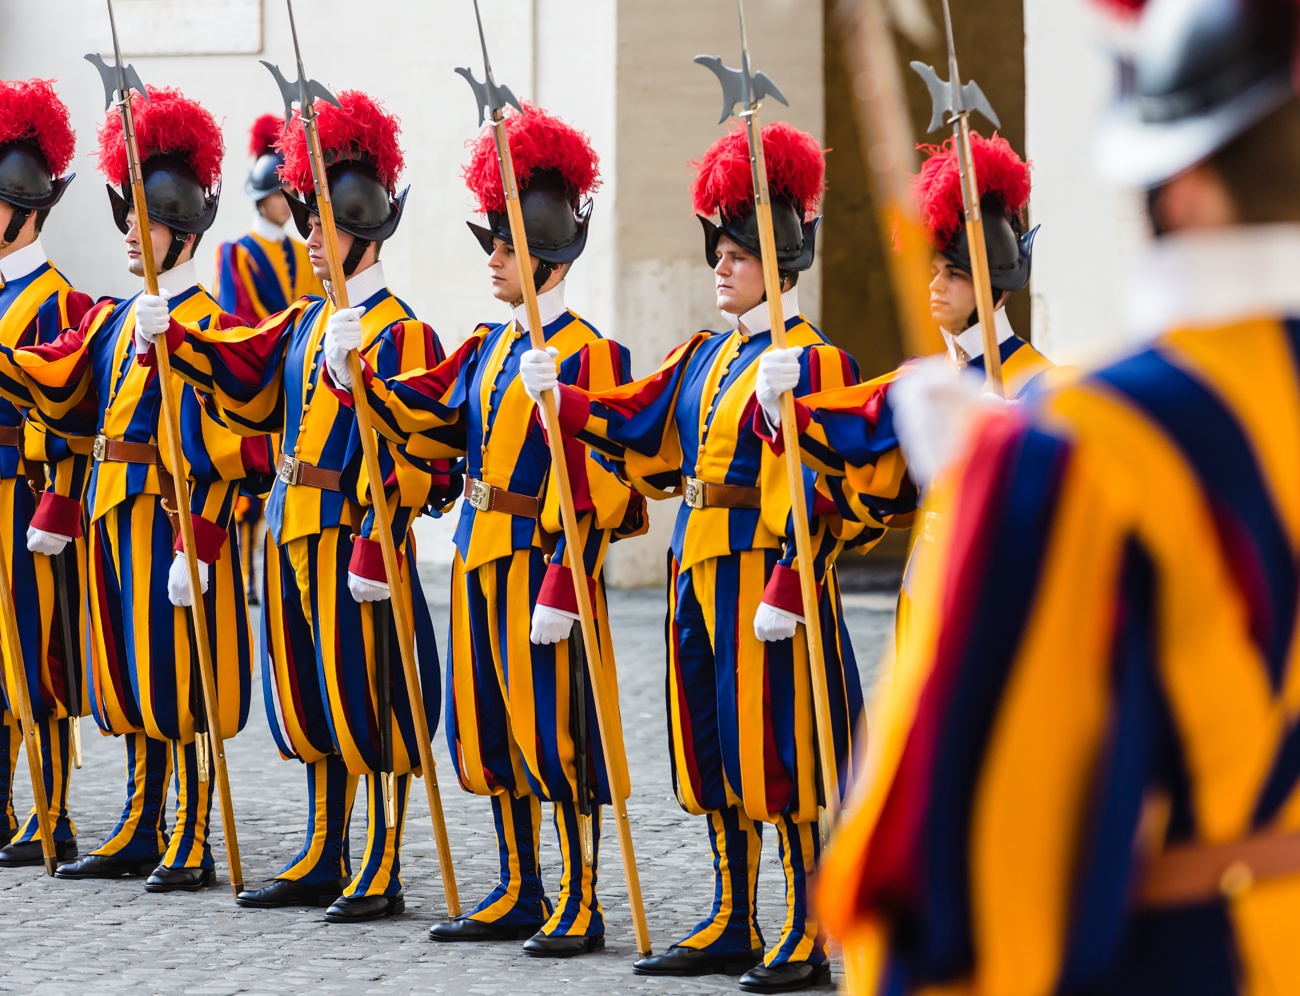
[[619, 69]]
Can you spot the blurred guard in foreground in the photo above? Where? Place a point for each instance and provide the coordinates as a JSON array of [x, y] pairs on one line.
[[1088, 774]]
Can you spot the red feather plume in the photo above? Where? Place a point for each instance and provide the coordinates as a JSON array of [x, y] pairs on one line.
[[1124, 8], [31, 110], [937, 188], [264, 135], [168, 123], [796, 170], [360, 130], [538, 141]]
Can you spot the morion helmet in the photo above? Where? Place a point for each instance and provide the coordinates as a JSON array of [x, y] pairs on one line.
[[36, 146], [264, 178]]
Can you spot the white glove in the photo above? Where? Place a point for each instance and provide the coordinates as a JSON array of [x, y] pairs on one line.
[[551, 625], [365, 590], [778, 372], [50, 544], [342, 335], [178, 582], [772, 624], [151, 319], [933, 405], [539, 373]]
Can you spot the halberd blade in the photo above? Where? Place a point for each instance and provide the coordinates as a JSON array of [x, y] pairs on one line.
[[489, 96], [111, 76]]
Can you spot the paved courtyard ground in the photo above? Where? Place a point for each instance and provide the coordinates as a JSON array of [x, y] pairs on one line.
[[74, 937]]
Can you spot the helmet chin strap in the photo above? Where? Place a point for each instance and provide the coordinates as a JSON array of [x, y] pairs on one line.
[[353, 259], [542, 274], [15, 226], [174, 250]]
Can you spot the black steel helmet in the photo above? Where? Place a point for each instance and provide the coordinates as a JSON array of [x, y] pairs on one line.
[[362, 207], [1010, 253], [264, 178], [554, 220], [796, 239], [1200, 73], [25, 179], [174, 195]]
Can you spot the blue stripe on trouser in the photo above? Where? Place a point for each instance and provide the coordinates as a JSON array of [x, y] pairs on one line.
[[189, 846], [141, 830], [801, 936], [324, 857], [381, 865], [9, 737], [577, 910], [519, 897], [56, 762], [731, 928]]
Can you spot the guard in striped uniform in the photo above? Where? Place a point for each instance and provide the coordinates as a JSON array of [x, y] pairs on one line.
[[1088, 775], [851, 436], [326, 618], [739, 700], [259, 275], [87, 383], [36, 304], [515, 726]]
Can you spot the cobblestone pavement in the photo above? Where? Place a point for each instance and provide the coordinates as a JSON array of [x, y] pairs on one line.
[[75, 937]]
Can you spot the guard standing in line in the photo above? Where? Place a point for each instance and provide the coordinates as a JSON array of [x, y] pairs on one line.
[[87, 383], [45, 520]]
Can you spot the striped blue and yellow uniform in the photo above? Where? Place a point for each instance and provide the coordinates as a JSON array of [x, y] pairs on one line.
[[36, 308], [319, 644], [88, 383], [258, 277], [847, 436], [510, 704], [1105, 668], [740, 711]]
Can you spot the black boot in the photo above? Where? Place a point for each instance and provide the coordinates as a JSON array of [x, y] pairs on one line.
[[285, 892], [29, 853], [107, 866], [164, 879], [678, 960], [362, 909], [788, 977], [465, 929], [562, 945]]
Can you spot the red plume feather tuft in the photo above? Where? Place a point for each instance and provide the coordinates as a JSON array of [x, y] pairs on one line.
[[1001, 174], [264, 135], [31, 110], [1124, 8], [796, 169], [167, 124], [360, 130], [538, 141]]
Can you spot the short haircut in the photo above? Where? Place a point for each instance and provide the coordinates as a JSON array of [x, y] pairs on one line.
[[1260, 168]]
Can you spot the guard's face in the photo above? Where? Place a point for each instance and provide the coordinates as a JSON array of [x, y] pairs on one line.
[[737, 278], [504, 267], [159, 235], [952, 295], [316, 247], [274, 209]]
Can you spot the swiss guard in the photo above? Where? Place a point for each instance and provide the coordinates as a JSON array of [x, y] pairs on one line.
[[518, 731], [739, 701], [326, 619], [852, 436], [87, 384], [47, 556], [1088, 772]]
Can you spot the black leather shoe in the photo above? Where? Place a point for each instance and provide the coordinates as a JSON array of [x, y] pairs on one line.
[[465, 929], [785, 978], [29, 853], [361, 909], [562, 945], [107, 866], [284, 892], [164, 879], [688, 961]]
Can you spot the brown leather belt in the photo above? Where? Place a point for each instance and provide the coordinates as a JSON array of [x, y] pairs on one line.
[[490, 498], [11, 435], [294, 471], [1187, 874], [702, 494], [120, 451]]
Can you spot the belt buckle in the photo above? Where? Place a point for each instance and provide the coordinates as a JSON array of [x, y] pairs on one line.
[[100, 450], [290, 470], [693, 493], [480, 496]]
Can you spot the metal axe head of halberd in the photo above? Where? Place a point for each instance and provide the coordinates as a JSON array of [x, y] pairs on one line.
[[301, 91], [489, 97], [740, 86], [952, 98]]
